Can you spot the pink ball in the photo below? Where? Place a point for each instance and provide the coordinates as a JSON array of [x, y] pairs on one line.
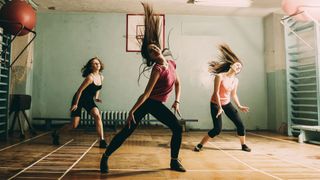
[[18, 11], [310, 7]]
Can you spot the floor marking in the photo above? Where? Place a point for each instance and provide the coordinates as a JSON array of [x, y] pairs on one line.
[[24, 141], [278, 139], [78, 159], [255, 169], [39, 160]]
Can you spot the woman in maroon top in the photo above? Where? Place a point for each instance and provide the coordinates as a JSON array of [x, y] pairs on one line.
[[162, 80]]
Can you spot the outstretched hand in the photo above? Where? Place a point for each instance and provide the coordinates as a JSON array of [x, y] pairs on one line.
[[244, 109]]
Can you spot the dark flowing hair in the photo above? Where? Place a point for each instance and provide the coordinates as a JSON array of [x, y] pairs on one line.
[[151, 36], [87, 69], [225, 60]]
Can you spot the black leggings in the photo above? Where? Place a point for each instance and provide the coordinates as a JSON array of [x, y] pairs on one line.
[[232, 114], [159, 111]]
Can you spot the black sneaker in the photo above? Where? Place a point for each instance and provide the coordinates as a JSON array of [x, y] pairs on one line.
[[55, 138], [245, 148], [104, 164], [103, 144], [176, 165], [197, 148]]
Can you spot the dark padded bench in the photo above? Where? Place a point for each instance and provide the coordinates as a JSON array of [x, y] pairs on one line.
[[113, 122]]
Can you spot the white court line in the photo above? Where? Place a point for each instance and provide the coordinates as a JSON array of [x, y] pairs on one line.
[[255, 169], [273, 138], [188, 170], [23, 141], [137, 170], [39, 160], [296, 163], [78, 159], [47, 172], [278, 139], [37, 178], [306, 166], [157, 169], [9, 168]]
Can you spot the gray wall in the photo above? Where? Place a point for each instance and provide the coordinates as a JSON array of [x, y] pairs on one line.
[[276, 73], [67, 40]]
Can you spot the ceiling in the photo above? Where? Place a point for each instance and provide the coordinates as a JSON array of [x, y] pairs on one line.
[[258, 8]]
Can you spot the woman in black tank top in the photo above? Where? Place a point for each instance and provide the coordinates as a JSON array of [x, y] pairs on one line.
[[85, 97]]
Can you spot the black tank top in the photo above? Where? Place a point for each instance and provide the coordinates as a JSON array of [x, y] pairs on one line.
[[90, 91]]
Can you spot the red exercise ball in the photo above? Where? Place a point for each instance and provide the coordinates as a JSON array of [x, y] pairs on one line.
[[18, 11]]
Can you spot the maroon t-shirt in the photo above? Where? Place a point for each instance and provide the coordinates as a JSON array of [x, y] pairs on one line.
[[165, 83]]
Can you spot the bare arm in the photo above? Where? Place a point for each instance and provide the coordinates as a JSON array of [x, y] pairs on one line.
[[176, 103], [236, 99], [96, 98], [97, 95], [177, 88], [88, 80], [217, 83], [235, 95]]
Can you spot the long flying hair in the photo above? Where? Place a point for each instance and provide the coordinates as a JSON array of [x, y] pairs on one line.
[[151, 36], [87, 69], [225, 60]]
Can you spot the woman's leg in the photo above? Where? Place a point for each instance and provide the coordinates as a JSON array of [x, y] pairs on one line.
[[217, 126], [119, 138], [234, 116], [164, 115], [95, 113], [67, 127]]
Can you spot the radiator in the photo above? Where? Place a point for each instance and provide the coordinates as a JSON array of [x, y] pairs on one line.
[[111, 118]]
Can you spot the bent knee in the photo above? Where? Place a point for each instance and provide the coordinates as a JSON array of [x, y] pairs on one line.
[[177, 129], [214, 132]]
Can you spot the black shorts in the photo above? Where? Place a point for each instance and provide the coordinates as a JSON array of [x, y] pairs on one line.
[[87, 103]]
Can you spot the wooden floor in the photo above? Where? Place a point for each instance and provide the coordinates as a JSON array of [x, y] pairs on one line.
[[146, 155]]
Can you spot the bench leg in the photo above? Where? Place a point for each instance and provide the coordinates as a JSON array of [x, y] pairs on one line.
[[183, 124], [48, 124], [302, 136]]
